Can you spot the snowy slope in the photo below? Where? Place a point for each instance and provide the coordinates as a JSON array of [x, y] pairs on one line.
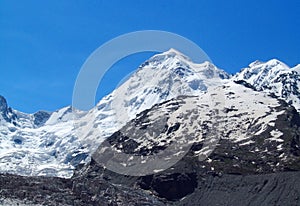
[[158, 138], [32, 146]]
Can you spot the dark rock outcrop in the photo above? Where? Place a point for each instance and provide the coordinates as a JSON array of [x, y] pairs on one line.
[[3, 105], [76, 191], [41, 117]]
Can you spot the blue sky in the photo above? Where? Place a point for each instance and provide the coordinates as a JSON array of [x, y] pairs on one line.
[[43, 44]]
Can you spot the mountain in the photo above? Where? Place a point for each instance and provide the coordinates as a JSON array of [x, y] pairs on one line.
[[53, 143], [174, 133]]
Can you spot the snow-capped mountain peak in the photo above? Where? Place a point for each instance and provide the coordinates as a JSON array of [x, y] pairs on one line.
[[175, 60], [255, 63], [271, 62], [260, 73], [267, 69], [274, 77], [163, 77], [170, 54]]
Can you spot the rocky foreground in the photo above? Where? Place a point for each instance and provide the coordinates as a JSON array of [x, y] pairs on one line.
[[266, 189]]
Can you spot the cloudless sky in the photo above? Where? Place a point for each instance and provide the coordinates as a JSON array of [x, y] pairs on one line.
[[43, 44]]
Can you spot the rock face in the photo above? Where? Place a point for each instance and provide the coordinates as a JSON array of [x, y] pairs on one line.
[[3, 104], [172, 186], [6, 112], [41, 117]]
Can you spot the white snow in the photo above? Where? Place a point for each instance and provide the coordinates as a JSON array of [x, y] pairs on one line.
[[275, 136]]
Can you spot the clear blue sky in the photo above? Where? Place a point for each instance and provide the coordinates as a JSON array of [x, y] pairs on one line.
[[43, 44]]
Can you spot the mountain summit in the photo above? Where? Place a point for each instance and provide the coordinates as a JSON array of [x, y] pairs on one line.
[[163, 77]]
